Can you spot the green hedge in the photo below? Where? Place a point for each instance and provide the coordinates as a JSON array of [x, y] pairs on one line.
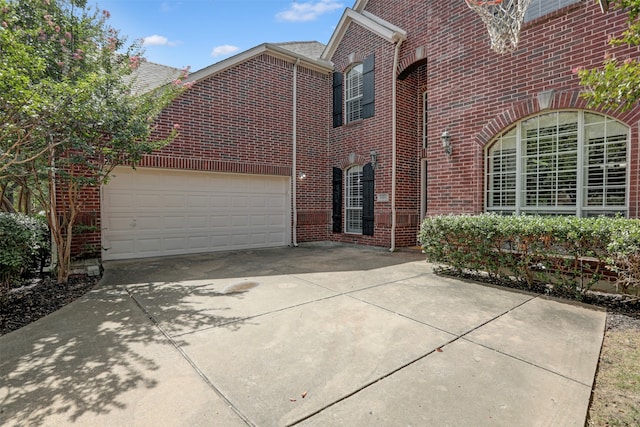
[[24, 246], [570, 253]]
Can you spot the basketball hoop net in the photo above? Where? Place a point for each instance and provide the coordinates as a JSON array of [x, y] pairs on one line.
[[503, 19]]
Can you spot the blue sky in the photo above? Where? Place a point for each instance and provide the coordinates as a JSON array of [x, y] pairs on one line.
[[198, 33]]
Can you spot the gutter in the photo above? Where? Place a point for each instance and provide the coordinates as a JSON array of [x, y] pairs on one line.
[[394, 125], [294, 170]]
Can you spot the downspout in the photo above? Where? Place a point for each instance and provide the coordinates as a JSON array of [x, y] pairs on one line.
[[394, 119], [294, 170]]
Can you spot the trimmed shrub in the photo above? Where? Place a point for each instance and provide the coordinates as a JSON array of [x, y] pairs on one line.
[[624, 257], [24, 247], [570, 253]]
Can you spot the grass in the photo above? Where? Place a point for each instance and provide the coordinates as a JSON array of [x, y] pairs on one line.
[[616, 393]]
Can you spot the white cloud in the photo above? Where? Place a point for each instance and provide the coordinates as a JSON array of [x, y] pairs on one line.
[[223, 50], [309, 11], [156, 40]]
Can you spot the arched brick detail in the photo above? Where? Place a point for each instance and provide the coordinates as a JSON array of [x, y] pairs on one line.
[[353, 159], [411, 61], [569, 99], [354, 58]]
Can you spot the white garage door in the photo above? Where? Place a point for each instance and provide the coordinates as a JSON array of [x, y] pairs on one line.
[[151, 212]]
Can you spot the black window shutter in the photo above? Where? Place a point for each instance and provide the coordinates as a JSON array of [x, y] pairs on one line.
[[337, 99], [337, 200], [368, 87], [367, 199]]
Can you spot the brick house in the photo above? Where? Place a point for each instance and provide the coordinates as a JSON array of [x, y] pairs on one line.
[[300, 142]]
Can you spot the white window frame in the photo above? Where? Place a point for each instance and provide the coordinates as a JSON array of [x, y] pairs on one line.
[[539, 8], [353, 90], [581, 197], [353, 190]]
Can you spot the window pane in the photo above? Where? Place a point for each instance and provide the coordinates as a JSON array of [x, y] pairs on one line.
[[501, 182], [550, 144], [538, 8], [353, 93], [605, 168], [353, 200]]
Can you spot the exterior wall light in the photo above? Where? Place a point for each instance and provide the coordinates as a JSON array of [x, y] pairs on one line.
[[446, 142], [374, 158]]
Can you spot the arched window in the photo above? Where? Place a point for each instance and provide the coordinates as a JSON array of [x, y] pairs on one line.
[[353, 93], [562, 163], [353, 200]]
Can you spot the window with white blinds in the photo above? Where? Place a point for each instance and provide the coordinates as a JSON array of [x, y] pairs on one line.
[[353, 93], [538, 8], [353, 200], [564, 163]]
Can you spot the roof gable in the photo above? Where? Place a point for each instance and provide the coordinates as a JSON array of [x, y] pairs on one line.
[[376, 25], [303, 52]]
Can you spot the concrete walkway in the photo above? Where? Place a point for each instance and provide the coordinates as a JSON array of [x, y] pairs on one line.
[[318, 335]]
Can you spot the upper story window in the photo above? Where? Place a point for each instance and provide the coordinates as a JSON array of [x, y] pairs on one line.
[[563, 163], [353, 93], [539, 8], [358, 93]]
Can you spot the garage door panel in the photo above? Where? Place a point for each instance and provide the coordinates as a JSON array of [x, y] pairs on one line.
[[174, 222], [147, 200], [198, 222], [199, 242], [146, 223], [258, 202], [147, 245], [119, 200], [258, 221], [239, 201], [276, 220], [173, 200], [220, 221], [219, 200], [174, 243], [198, 201], [151, 212]]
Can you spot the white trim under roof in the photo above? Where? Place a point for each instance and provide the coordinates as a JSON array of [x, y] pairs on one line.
[[360, 5], [371, 22], [275, 50]]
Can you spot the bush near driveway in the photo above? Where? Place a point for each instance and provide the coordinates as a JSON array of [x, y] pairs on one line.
[[569, 253], [24, 247]]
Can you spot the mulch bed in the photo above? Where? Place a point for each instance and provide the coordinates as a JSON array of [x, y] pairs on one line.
[[29, 303], [623, 311]]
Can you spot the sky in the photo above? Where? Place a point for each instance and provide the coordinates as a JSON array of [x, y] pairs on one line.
[[198, 33]]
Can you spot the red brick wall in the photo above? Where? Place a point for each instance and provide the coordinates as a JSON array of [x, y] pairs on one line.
[[241, 120], [476, 93], [369, 134], [473, 92]]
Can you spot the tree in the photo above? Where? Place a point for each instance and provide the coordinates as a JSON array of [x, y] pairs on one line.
[[69, 113], [617, 83]]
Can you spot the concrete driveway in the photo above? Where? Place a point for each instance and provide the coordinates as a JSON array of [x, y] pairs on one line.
[[317, 335]]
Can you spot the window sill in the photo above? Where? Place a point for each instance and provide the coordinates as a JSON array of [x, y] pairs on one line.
[[354, 123]]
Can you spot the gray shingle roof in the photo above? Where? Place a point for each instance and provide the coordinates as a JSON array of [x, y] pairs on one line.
[[149, 76], [311, 50]]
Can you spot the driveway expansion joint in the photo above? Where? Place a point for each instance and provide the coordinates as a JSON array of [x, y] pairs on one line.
[[190, 361]]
